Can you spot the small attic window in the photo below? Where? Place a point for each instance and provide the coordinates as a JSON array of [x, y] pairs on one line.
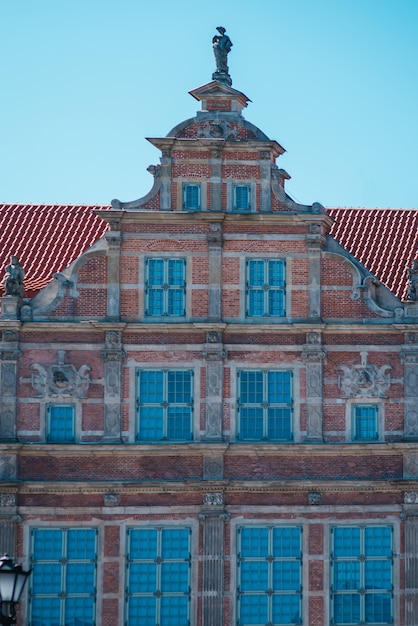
[[191, 197], [241, 198]]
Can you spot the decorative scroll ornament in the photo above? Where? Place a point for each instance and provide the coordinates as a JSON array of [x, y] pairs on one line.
[[60, 379], [364, 379], [213, 499]]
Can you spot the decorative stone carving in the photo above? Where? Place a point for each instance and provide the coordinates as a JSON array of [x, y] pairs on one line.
[[314, 498], [364, 379], [214, 236], [7, 499], [155, 170], [213, 467], [60, 379], [313, 354], [111, 499], [410, 465], [113, 356], [7, 467], [412, 294], [213, 499], [13, 283], [410, 497], [411, 337], [10, 335]]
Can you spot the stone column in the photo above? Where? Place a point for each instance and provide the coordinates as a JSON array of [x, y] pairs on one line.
[[409, 357], [313, 355], [113, 356], [315, 243], [214, 354], [213, 518], [215, 163], [9, 354], [214, 240], [113, 237]]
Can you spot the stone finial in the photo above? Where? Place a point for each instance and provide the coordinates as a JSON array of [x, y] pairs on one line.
[[221, 47], [13, 282], [412, 281]]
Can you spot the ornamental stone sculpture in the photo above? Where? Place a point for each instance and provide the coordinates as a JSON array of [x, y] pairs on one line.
[[13, 282], [221, 47], [412, 281]]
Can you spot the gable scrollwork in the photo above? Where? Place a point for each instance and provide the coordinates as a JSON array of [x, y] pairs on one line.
[[364, 379], [60, 379]]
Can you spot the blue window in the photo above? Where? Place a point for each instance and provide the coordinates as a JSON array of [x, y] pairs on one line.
[[242, 198], [158, 577], [191, 197], [165, 405], [365, 421], [265, 287], [269, 575], [165, 287], [264, 405], [361, 575], [60, 423], [63, 582]]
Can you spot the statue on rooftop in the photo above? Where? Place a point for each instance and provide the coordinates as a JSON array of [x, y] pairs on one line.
[[13, 282], [413, 281], [221, 47]]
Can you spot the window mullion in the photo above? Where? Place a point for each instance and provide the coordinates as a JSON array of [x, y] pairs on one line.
[[165, 405]]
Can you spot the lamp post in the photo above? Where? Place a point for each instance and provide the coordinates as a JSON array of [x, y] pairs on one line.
[[12, 581]]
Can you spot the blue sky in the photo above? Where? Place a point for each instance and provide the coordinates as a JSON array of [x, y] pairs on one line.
[[85, 81]]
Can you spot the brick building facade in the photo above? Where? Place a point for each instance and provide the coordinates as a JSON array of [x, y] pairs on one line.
[[210, 418]]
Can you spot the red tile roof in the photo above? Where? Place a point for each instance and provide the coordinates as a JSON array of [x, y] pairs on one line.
[[384, 240], [48, 238]]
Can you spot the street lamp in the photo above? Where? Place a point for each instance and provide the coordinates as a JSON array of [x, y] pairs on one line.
[[12, 581]]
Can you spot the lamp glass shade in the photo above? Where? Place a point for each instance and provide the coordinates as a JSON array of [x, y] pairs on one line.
[[12, 580]]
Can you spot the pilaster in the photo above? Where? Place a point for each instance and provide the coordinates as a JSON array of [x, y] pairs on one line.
[[313, 355], [113, 237], [113, 356], [213, 519], [315, 242], [265, 181], [214, 354], [165, 175], [9, 355], [409, 357], [215, 163], [215, 240]]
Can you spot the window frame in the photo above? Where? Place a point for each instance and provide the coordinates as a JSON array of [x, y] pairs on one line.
[[185, 203], [158, 561], [273, 564], [49, 409], [235, 206], [64, 564], [355, 430], [266, 290], [163, 405], [264, 405], [166, 288], [356, 566]]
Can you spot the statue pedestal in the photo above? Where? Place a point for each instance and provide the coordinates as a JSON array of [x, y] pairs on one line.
[[222, 77], [10, 307], [411, 308]]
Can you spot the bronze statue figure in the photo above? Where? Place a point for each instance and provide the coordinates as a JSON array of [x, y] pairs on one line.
[[221, 47]]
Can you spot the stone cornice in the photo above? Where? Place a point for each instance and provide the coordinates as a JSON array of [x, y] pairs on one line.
[[203, 486], [300, 450]]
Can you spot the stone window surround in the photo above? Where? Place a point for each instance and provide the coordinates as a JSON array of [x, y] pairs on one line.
[[350, 403]]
